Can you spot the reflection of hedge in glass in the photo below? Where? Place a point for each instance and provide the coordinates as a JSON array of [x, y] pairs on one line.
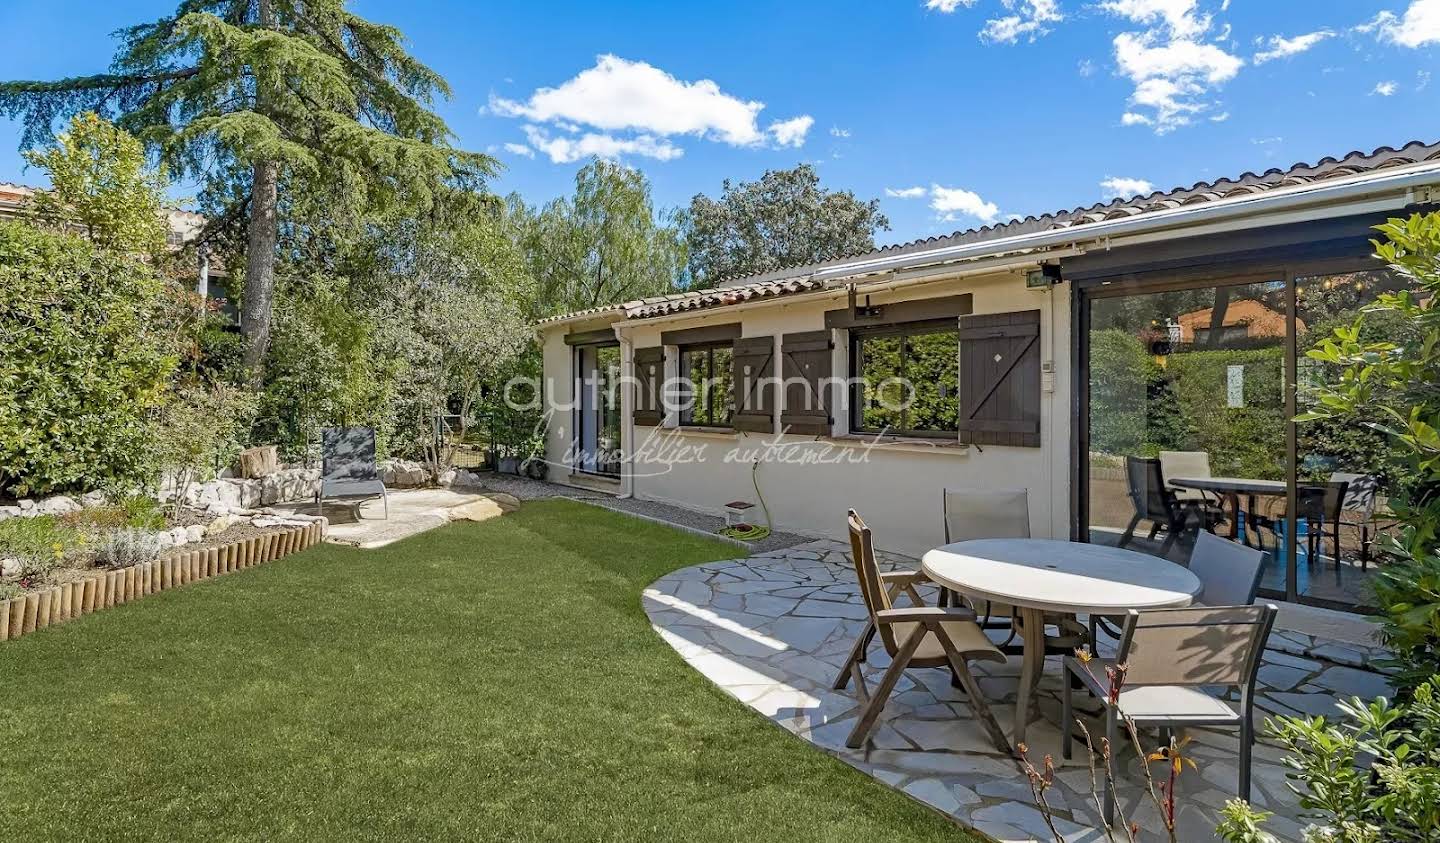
[[707, 369], [910, 381]]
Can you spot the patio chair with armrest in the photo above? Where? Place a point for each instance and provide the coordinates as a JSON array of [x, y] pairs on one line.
[[1172, 656], [1154, 501], [1358, 510], [1187, 464], [972, 514], [914, 637], [1229, 574], [348, 469]]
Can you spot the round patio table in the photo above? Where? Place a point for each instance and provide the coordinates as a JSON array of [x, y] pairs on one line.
[[1046, 576]]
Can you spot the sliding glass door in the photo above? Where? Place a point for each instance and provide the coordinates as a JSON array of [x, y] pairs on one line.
[[1186, 425], [597, 422]]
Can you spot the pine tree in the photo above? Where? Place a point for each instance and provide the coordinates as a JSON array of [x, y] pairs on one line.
[[254, 96]]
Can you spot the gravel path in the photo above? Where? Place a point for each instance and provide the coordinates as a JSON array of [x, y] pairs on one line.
[[526, 489]]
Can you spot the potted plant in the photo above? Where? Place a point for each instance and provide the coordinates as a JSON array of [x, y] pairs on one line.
[[535, 467]]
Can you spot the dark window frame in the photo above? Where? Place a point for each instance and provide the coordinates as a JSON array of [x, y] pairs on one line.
[[856, 390], [687, 415]]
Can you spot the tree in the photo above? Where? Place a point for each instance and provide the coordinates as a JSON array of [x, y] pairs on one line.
[[102, 185], [784, 219], [605, 245], [1392, 384], [247, 95]]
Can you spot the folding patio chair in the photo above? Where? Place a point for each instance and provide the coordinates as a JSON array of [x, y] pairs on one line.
[[914, 637]]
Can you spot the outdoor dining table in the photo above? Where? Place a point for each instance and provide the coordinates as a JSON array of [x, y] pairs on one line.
[[1045, 576], [1233, 488]]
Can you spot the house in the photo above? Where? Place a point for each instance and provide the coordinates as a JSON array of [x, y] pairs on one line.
[[185, 229], [1245, 319], [874, 381]]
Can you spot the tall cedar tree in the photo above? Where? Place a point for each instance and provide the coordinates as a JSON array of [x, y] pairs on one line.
[[247, 95]]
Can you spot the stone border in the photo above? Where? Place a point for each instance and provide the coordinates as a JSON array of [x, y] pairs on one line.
[[104, 589]]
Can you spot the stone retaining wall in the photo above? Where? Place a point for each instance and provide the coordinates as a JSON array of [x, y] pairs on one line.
[[103, 589]]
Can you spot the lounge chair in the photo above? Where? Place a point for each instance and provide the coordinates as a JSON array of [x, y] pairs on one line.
[[348, 469], [914, 637], [1172, 656], [1155, 502]]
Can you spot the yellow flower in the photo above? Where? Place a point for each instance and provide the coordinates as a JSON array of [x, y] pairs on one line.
[[1084, 654], [1172, 754]]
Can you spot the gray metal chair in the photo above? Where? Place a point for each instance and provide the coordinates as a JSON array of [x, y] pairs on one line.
[[1172, 656], [1228, 571], [348, 469], [1357, 510], [917, 636], [985, 514]]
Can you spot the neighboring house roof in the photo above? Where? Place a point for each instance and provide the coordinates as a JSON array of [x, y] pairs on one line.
[[185, 226], [798, 279], [1259, 319]]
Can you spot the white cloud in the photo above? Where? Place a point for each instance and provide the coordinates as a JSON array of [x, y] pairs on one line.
[[1284, 47], [1422, 80], [1029, 20], [1171, 78], [905, 192], [950, 202], [563, 150], [837, 132], [1220, 118], [947, 6], [1119, 187], [1180, 17], [619, 96], [1419, 26], [1086, 68], [791, 132], [1385, 89], [520, 149]]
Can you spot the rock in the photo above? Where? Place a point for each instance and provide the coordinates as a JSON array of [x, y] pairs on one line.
[[481, 510], [219, 525], [448, 476], [25, 504], [265, 521], [10, 567], [178, 536], [93, 499], [57, 505], [195, 533], [9, 512], [164, 539], [260, 461], [465, 478]]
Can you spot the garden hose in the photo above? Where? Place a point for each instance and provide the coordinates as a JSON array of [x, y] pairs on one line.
[[752, 532]]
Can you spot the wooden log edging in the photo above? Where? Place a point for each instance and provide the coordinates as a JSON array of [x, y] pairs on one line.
[[103, 589]]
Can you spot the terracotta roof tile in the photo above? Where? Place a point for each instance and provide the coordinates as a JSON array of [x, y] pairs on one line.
[[792, 279]]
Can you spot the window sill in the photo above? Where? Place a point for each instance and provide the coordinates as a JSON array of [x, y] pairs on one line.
[[911, 444], [704, 432]]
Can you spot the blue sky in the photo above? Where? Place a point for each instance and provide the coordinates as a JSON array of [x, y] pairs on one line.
[[953, 112]]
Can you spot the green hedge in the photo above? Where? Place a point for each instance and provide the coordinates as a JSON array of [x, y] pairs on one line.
[[85, 360]]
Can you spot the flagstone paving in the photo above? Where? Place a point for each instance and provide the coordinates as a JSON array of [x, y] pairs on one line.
[[773, 630]]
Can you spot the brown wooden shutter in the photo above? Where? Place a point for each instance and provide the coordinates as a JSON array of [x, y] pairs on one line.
[[805, 369], [1000, 379], [752, 373], [649, 376]]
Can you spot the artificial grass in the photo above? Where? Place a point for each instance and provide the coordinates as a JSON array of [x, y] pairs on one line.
[[481, 681]]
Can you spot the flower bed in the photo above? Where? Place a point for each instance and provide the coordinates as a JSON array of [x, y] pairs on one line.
[[103, 589]]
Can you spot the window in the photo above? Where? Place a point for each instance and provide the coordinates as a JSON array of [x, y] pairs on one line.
[[706, 400], [906, 379]]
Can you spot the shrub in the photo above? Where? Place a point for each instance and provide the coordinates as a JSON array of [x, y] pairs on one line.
[[85, 363], [127, 547], [1388, 383], [41, 545], [201, 430], [1374, 776], [136, 511]]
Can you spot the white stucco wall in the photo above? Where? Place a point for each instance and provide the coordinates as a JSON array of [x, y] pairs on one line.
[[897, 488]]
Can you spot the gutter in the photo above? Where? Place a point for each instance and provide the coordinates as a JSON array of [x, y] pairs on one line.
[[1407, 183]]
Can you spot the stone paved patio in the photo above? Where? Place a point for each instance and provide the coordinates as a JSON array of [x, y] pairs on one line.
[[773, 631]]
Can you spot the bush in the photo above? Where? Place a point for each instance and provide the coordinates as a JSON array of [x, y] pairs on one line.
[[137, 511], [1388, 383], [127, 547], [41, 545], [85, 363], [1373, 777]]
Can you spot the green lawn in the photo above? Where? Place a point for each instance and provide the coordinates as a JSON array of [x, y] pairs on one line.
[[490, 681]]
